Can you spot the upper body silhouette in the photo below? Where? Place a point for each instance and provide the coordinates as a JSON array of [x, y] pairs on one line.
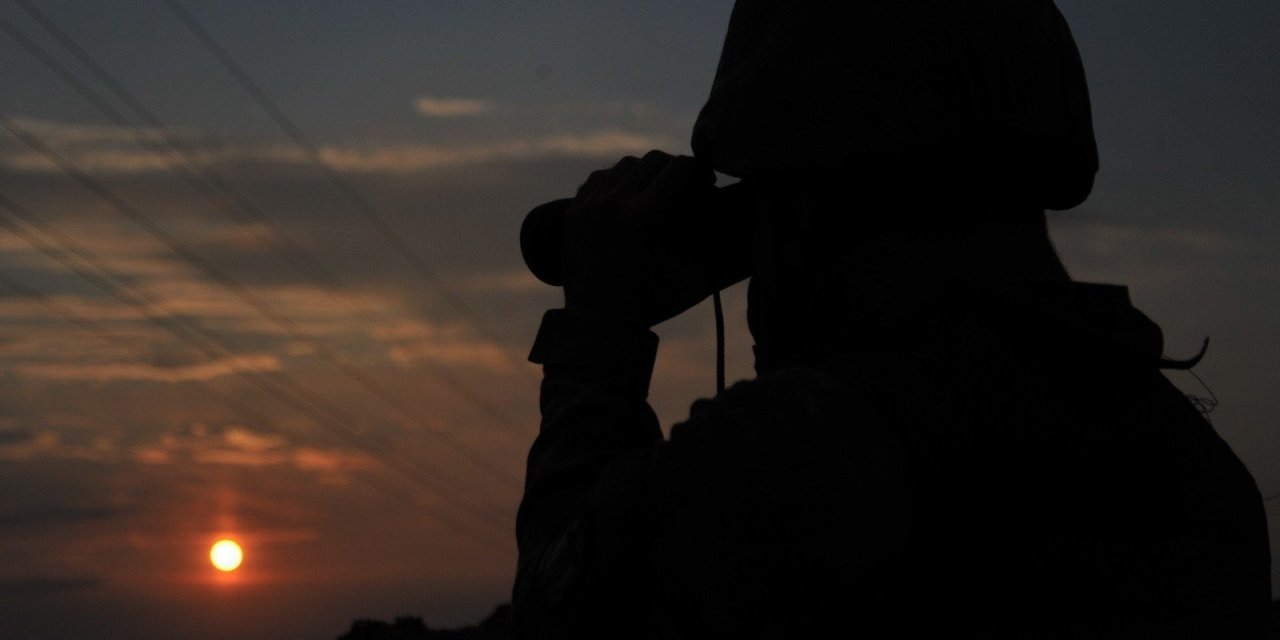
[[946, 433]]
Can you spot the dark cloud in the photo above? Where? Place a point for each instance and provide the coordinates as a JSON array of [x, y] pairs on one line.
[[9, 437], [60, 515], [47, 585]]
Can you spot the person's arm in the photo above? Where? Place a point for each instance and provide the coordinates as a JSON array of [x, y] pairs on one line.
[[597, 355], [594, 412]]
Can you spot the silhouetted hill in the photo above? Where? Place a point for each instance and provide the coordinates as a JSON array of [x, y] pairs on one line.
[[496, 627], [1275, 619]]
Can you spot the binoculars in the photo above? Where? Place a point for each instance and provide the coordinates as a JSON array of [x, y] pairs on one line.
[[714, 234]]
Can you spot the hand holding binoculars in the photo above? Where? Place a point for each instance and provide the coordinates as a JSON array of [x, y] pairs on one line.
[[650, 238]]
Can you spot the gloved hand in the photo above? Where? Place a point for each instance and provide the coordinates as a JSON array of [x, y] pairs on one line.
[[627, 246]]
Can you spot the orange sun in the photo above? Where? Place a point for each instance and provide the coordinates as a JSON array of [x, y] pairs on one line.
[[226, 555]]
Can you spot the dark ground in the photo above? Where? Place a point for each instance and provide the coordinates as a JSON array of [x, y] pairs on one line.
[[496, 627]]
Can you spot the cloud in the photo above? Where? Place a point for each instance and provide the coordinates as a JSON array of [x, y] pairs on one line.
[[18, 309], [509, 281], [239, 446], [246, 440], [47, 585], [61, 514], [1119, 239], [241, 238], [150, 372], [48, 444], [1153, 257], [64, 134], [103, 150], [120, 161], [332, 460], [413, 158], [366, 323], [11, 437], [109, 149], [451, 107], [120, 245], [413, 341], [238, 458]]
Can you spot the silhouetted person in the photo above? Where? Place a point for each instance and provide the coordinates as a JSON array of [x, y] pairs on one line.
[[947, 437]]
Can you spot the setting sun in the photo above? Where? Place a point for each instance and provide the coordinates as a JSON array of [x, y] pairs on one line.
[[226, 555]]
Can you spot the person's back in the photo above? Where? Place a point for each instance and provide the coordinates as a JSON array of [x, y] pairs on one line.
[[1008, 461], [986, 466]]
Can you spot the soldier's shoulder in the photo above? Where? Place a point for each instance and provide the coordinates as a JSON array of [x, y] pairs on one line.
[[788, 407]]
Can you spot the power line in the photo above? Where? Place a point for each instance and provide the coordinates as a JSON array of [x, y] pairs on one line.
[[74, 256], [208, 182], [252, 417], [184, 161], [248, 297], [192, 168], [279, 386], [357, 200]]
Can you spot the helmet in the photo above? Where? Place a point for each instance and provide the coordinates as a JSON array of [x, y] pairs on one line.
[[975, 98]]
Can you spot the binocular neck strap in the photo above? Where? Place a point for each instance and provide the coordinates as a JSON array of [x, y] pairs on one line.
[[719, 309]]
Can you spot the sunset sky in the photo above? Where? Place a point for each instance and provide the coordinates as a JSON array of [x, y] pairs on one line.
[[350, 401]]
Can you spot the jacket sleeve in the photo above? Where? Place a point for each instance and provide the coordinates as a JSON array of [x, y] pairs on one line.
[[594, 414]]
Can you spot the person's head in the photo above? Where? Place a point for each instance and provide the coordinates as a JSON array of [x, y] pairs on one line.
[[984, 98], [894, 136]]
